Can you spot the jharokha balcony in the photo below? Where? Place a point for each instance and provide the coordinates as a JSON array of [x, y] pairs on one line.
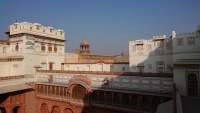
[[118, 101], [118, 91]]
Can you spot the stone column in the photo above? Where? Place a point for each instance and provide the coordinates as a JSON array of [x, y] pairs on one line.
[[140, 103], [104, 96], [120, 96], [8, 109], [130, 97], [98, 96], [112, 97], [63, 89], [150, 100], [59, 92], [91, 91]]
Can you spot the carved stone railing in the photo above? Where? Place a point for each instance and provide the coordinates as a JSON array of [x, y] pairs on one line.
[[119, 83], [166, 75], [9, 80], [12, 77]]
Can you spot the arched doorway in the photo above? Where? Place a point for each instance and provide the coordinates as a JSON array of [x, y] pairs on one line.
[[145, 103], [68, 110], [135, 102], [2, 110], [16, 109], [94, 96], [79, 93], [192, 85], [44, 108], [109, 98], [101, 97], [55, 109], [126, 101]]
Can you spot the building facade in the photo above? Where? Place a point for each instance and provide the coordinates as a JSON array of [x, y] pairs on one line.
[[179, 54], [31, 46]]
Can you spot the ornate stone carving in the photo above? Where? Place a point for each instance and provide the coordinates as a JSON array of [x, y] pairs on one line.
[[140, 47], [179, 41], [178, 66], [191, 66], [159, 45], [148, 47]]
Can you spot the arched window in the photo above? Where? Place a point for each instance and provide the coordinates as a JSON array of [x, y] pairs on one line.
[[55, 48], [55, 109], [17, 47], [68, 110], [44, 108], [79, 92], [116, 99], [125, 100], [16, 109], [50, 48], [135, 101], [109, 98], [101, 96], [145, 102], [43, 48]]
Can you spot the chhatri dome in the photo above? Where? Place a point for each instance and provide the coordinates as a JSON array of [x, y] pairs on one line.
[[84, 47], [84, 43]]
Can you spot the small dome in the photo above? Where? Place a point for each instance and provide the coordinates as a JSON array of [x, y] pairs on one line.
[[84, 43], [122, 54]]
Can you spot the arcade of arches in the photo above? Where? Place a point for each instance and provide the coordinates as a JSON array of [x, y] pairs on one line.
[[78, 99], [12, 102]]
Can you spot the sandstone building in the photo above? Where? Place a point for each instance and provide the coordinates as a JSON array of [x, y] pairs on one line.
[[37, 76]]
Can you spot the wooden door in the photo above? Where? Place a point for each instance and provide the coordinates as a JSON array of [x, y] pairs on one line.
[[50, 66], [192, 85]]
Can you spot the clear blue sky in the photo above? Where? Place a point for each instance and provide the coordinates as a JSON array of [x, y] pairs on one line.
[[108, 25]]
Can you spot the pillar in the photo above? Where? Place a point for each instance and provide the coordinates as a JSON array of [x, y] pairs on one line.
[[104, 95], [150, 100], [120, 96], [98, 96], [112, 97], [130, 97], [8, 110], [140, 103]]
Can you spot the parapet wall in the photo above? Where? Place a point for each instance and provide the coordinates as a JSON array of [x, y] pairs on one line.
[[36, 29]]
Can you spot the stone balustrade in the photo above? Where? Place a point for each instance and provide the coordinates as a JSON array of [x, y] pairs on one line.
[[165, 75]]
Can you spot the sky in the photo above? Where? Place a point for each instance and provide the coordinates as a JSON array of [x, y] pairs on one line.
[[108, 25]]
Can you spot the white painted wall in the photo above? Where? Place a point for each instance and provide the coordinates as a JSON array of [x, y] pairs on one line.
[[95, 67], [4, 68]]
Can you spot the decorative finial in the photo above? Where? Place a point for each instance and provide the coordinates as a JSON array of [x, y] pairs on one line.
[[16, 20]]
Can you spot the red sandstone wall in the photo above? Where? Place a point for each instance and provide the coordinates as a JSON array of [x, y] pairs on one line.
[[30, 100]]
